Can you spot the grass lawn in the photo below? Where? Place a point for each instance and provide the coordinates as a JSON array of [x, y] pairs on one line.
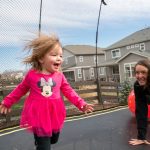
[[17, 105], [1, 97]]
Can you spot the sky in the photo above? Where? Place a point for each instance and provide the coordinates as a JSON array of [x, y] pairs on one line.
[[74, 22]]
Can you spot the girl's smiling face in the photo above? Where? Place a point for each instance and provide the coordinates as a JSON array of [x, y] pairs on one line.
[[52, 60], [141, 74]]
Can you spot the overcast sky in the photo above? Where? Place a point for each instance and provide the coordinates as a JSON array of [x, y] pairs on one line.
[[74, 21]]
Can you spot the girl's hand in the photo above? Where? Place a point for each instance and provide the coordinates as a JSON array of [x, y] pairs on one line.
[[138, 142], [88, 108], [4, 109]]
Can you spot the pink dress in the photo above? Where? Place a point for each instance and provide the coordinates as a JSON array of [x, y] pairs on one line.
[[44, 111]]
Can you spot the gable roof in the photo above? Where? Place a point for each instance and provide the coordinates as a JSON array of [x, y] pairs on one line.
[[117, 60], [143, 54], [137, 37], [83, 49]]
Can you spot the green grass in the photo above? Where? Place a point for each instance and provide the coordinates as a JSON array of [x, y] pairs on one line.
[[1, 97], [17, 105]]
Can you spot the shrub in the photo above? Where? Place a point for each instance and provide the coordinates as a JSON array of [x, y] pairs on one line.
[[124, 90]]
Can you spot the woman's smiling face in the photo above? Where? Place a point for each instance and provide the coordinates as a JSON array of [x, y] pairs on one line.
[[141, 74]]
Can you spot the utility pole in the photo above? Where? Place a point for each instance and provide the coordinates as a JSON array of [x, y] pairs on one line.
[[97, 74], [40, 17]]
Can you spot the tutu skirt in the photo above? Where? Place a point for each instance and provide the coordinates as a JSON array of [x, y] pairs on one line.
[[43, 116]]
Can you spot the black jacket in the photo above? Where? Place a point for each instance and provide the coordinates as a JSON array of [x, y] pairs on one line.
[[142, 99]]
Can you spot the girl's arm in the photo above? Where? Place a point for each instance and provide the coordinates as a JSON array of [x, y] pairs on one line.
[[74, 98], [16, 94]]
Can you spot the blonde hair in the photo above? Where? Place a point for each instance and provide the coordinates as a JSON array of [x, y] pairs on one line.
[[39, 47]]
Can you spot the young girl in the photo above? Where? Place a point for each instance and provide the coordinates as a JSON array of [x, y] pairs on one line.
[[142, 99], [44, 111]]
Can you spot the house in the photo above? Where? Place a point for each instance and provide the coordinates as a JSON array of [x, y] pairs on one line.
[[121, 57], [80, 62], [11, 77]]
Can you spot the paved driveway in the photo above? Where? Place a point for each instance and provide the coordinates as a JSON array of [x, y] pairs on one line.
[[105, 131]]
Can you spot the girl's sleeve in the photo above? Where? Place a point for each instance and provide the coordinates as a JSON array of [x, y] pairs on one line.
[[71, 95], [17, 93], [141, 111]]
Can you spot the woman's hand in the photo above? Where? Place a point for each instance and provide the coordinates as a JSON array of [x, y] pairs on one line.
[[138, 142], [88, 108], [4, 109]]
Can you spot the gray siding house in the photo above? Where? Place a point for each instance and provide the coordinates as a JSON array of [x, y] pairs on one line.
[[80, 62], [120, 57]]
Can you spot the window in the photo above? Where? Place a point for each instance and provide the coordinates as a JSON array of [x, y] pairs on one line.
[[142, 47], [115, 70], [115, 53], [80, 58], [102, 70], [128, 47], [92, 72], [129, 70], [79, 73], [136, 45]]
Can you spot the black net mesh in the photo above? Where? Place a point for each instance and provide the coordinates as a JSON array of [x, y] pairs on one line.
[[17, 24]]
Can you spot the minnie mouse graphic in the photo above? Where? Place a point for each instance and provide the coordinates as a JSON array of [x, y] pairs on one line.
[[46, 86]]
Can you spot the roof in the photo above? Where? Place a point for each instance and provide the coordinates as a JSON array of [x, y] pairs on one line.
[[113, 62], [137, 37], [83, 49], [143, 54]]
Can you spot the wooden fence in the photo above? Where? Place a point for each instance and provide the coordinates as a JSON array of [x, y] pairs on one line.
[[107, 96]]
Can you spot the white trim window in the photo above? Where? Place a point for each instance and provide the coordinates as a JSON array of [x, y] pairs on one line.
[[80, 58], [129, 70], [136, 45], [79, 73], [115, 53], [91, 72], [102, 70], [128, 47], [142, 47]]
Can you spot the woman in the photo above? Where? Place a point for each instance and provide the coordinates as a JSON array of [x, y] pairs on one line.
[[142, 99]]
